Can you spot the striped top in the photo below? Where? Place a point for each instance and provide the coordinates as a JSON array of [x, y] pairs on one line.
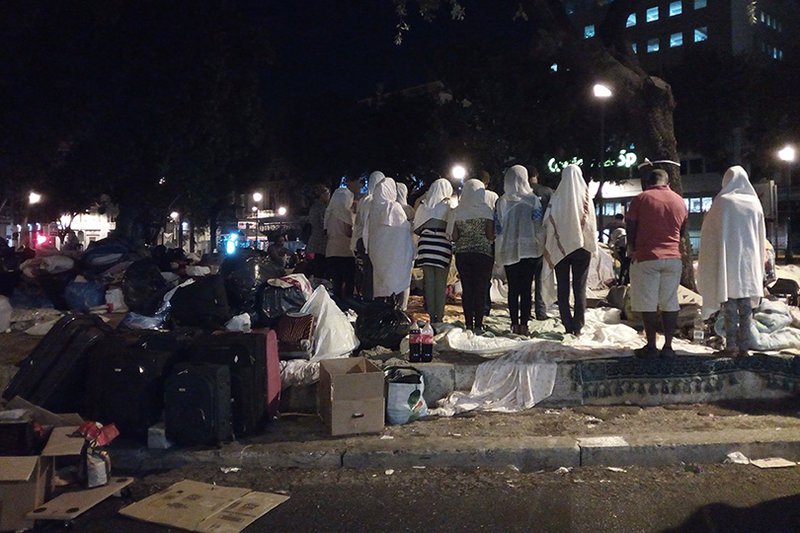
[[434, 248]]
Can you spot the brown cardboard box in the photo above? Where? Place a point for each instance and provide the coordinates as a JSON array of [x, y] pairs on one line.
[[350, 396]]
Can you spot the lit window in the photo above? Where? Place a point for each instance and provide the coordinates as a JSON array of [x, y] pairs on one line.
[[675, 8], [635, 48], [706, 203], [699, 4], [652, 46], [700, 34], [631, 20], [675, 40], [588, 31], [554, 67], [780, 54], [651, 15], [695, 205]]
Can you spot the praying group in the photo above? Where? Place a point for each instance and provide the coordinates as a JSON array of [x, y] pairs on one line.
[[535, 234]]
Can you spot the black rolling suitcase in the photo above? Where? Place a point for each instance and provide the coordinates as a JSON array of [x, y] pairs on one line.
[[197, 404], [244, 354], [52, 375], [126, 379]]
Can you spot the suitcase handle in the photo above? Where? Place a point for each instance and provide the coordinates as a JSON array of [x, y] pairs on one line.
[[358, 415]]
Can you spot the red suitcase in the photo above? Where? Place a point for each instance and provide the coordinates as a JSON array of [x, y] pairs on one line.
[[272, 388]]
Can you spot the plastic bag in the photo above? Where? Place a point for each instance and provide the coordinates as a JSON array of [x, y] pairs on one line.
[[277, 301], [58, 263], [382, 324], [334, 335], [244, 275], [404, 398], [143, 287], [115, 301], [82, 295]]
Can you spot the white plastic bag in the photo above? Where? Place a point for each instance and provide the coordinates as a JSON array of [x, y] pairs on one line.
[[404, 398], [334, 336], [239, 323], [115, 300]]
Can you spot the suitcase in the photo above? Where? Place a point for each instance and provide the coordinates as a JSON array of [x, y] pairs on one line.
[[197, 404], [53, 375], [126, 379], [243, 353], [272, 385], [202, 304]]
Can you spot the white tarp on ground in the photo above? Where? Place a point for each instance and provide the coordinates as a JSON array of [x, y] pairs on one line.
[[774, 327]]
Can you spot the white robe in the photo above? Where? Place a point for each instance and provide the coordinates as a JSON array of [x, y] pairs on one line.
[[391, 248], [733, 248], [514, 213]]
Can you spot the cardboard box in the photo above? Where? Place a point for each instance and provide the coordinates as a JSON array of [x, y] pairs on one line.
[[205, 508], [26, 482], [350, 396]]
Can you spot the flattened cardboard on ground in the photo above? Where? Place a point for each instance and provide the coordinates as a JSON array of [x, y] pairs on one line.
[[62, 444], [204, 508], [24, 483], [72, 504], [772, 462], [350, 396], [43, 416]]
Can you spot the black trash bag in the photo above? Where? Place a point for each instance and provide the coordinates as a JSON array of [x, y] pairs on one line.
[[244, 274], [103, 254], [382, 324], [276, 302], [54, 286], [143, 287], [202, 304]]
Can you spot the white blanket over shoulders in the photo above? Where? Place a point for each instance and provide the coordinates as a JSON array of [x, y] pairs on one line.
[[732, 245]]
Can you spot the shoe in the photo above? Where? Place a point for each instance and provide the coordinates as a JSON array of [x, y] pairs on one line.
[[742, 352], [542, 317], [514, 329], [726, 352], [668, 353], [577, 332], [646, 352], [477, 332], [523, 330]]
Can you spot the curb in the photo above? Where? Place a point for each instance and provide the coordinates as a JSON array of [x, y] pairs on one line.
[[528, 454]]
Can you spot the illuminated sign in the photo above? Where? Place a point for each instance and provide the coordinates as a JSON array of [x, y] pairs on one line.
[[625, 159]]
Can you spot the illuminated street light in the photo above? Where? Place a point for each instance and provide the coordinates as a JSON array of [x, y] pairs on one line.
[[174, 215], [34, 198], [458, 172], [281, 211], [254, 209], [787, 153], [257, 196], [602, 91]]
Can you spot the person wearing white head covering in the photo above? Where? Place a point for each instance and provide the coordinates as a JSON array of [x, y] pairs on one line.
[[317, 240], [517, 247], [402, 199], [570, 241], [340, 262], [360, 227], [390, 246], [471, 226], [733, 254], [434, 249]]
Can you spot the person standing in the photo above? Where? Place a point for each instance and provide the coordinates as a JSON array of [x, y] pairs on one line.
[[732, 259], [656, 220], [618, 242], [570, 241], [317, 241], [544, 193], [389, 242], [359, 238], [517, 246], [434, 249], [339, 260], [402, 199], [471, 228]]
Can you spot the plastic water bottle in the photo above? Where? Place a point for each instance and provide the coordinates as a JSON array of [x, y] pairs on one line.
[[698, 330], [426, 340], [414, 345]]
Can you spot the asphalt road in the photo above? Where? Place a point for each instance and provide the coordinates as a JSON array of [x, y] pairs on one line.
[[716, 498]]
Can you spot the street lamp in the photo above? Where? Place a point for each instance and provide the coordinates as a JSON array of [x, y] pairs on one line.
[[34, 198], [787, 154], [281, 211], [602, 93], [458, 172], [257, 196]]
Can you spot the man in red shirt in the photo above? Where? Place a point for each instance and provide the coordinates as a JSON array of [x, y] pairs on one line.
[[656, 220]]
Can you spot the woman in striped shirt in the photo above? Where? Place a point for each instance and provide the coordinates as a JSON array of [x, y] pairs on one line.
[[434, 248]]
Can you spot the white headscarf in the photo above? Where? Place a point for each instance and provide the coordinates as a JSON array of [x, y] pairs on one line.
[[362, 212], [340, 207], [516, 231], [471, 205], [732, 244], [402, 193], [569, 222], [436, 204], [385, 208]]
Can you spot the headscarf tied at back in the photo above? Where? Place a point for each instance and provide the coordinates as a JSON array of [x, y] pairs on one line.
[[733, 244], [471, 205], [385, 208], [436, 204], [569, 221], [340, 207], [402, 193]]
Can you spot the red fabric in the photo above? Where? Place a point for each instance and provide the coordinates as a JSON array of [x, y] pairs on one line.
[[659, 213]]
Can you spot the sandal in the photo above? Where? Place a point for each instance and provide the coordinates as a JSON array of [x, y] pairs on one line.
[[646, 352]]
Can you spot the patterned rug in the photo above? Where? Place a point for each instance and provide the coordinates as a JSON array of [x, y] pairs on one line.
[[681, 375]]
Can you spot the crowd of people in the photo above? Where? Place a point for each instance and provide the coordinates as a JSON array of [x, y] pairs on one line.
[[369, 244]]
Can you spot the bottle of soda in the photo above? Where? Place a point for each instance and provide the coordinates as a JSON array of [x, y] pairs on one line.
[[698, 328], [426, 340], [414, 346]]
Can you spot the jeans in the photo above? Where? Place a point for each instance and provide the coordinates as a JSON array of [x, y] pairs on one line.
[[576, 262], [434, 282], [520, 279], [475, 270], [737, 313]]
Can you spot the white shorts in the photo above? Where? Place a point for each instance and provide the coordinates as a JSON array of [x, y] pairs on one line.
[[654, 285]]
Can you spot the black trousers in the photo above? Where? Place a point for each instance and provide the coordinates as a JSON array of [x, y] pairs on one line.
[[576, 263], [520, 278], [341, 271], [475, 271], [538, 303], [365, 271]]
